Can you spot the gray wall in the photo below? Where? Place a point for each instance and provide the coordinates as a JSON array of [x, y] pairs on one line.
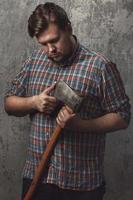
[[104, 25]]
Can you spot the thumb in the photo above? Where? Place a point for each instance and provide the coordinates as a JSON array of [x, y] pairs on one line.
[[49, 89]]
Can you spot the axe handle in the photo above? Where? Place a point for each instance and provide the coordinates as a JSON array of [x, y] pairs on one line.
[[42, 165]]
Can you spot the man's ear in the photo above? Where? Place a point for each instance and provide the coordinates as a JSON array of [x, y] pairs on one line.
[[69, 28]]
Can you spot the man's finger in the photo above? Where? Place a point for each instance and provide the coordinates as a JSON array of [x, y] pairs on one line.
[[49, 89], [69, 109]]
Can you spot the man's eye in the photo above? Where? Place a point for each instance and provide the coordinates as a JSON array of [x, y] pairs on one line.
[[55, 40]]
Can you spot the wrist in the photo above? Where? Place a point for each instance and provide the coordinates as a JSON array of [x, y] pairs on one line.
[[33, 101], [73, 123]]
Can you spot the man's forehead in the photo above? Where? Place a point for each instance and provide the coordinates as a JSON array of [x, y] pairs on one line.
[[44, 38], [51, 33]]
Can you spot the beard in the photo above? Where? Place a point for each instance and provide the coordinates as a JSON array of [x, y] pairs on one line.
[[60, 58]]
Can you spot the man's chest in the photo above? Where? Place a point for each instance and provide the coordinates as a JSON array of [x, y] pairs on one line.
[[80, 77]]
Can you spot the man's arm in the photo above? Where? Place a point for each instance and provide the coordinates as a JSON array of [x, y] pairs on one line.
[[104, 124], [21, 106], [114, 105]]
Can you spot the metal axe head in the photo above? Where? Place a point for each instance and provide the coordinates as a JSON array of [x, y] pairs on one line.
[[66, 95]]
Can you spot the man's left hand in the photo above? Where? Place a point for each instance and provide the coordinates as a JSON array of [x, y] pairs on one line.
[[64, 116]]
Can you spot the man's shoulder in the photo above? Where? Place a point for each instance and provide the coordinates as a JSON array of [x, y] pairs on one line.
[[36, 57], [38, 54], [95, 55]]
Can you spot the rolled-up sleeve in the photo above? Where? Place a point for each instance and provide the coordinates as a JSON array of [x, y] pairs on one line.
[[19, 84], [114, 98]]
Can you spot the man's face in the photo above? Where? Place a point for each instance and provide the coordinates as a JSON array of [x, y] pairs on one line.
[[58, 44]]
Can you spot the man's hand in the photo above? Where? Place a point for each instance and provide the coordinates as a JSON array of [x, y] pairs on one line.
[[64, 116], [43, 102]]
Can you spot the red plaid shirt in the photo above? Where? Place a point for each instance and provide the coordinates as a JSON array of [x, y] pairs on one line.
[[77, 160]]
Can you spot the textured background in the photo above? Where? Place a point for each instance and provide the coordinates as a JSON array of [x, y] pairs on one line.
[[103, 25]]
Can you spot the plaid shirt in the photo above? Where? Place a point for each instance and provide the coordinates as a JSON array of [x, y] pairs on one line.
[[77, 160]]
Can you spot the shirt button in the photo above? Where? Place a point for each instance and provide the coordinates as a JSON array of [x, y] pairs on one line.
[[47, 134]]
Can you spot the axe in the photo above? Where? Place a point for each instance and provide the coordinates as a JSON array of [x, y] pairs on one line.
[[70, 98]]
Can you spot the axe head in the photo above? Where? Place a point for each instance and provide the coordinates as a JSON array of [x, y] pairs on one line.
[[67, 96]]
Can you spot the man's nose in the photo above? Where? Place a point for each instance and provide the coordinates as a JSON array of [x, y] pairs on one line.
[[51, 48]]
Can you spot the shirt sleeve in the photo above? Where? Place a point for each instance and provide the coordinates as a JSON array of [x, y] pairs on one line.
[[18, 86], [114, 98]]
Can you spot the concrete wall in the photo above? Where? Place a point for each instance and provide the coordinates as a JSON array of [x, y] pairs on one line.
[[104, 25]]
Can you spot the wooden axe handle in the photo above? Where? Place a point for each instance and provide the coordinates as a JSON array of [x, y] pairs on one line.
[[42, 165]]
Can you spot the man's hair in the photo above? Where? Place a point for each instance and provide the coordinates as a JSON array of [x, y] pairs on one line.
[[43, 15]]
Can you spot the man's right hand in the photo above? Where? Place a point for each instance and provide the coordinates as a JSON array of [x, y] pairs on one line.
[[43, 102]]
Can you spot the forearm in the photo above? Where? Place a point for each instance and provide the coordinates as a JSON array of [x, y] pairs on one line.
[[104, 124], [19, 106]]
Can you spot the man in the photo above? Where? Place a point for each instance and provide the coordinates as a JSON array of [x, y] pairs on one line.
[[75, 169]]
